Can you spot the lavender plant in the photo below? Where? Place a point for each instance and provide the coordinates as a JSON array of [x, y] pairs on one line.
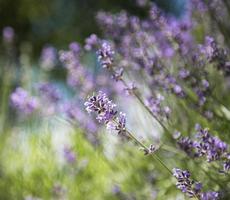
[[170, 72]]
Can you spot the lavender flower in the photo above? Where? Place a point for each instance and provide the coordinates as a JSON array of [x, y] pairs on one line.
[[209, 196], [184, 73], [215, 54], [24, 103], [102, 106], [212, 147], [118, 125], [91, 42], [104, 109], [187, 145], [207, 146], [8, 34], [48, 58], [78, 76], [184, 183], [75, 47], [190, 187], [105, 55], [227, 163], [49, 92], [156, 107]]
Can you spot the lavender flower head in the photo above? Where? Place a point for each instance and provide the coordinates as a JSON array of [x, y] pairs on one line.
[[118, 126], [227, 163], [187, 145], [157, 108], [8, 34], [24, 103], [184, 183], [206, 145], [75, 47], [210, 196], [48, 58], [91, 42], [49, 92], [106, 55], [104, 108], [208, 48], [192, 188], [212, 147]]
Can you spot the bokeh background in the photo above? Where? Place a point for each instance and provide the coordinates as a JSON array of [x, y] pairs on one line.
[[60, 21], [43, 157]]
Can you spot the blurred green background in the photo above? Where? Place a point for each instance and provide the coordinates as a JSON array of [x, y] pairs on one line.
[[61, 21]]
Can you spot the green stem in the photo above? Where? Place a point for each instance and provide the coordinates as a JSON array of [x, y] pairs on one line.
[[146, 107], [146, 148]]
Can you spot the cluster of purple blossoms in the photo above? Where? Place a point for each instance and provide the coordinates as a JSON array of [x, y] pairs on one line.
[[48, 58], [104, 108], [84, 81], [215, 54], [207, 146], [105, 55], [50, 96], [91, 42], [23, 102], [186, 144], [185, 184], [78, 76], [156, 107], [119, 126], [49, 92], [209, 196], [143, 44], [148, 45], [190, 187]]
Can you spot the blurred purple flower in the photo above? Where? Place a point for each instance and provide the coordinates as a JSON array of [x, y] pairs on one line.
[[210, 196], [24, 103], [91, 42], [69, 155], [49, 92], [48, 58], [187, 145], [8, 34]]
